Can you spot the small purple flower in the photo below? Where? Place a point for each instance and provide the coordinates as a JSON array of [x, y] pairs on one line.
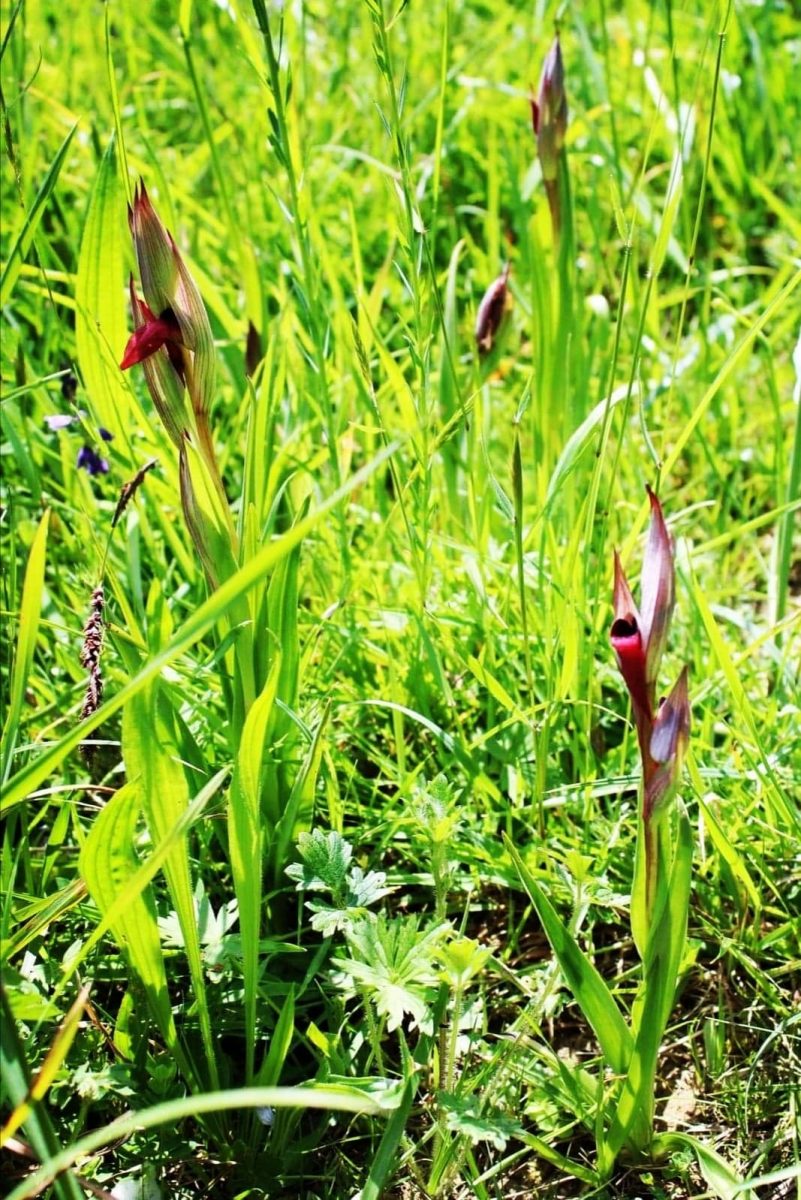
[[59, 421], [91, 462], [104, 433]]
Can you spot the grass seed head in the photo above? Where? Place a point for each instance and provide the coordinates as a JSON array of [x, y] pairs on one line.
[[91, 650]]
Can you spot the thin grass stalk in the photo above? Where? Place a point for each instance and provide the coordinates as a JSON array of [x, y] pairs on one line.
[[307, 267]]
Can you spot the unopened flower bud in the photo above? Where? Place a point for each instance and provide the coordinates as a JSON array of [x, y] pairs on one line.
[[549, 112], [669, 740], [491, 312], [172, 315]]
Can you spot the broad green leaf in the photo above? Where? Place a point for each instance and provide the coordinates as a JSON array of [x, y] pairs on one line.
[[299, 808], [108, 864], [205, 617], [135, 884], [282, 615], [100, 321], [723, 1182], [246, 842], [150, 747], [280, 1042], [29, 614], [591, 993], [24, 238]]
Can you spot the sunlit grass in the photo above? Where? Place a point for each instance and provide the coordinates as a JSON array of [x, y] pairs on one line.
[[426, 536]]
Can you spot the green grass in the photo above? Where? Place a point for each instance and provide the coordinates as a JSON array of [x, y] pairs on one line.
[[408, 646]]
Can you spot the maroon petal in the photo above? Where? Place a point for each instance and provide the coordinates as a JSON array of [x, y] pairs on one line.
[[146, 340], [630, 653], [671, 731]]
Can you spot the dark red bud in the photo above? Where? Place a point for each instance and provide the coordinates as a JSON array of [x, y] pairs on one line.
[[491, 312]]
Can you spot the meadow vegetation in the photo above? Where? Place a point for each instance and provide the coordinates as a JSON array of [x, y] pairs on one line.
[[348, 850]]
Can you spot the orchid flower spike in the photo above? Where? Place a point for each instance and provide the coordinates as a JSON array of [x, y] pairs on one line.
[[638, 637], [172, 316]]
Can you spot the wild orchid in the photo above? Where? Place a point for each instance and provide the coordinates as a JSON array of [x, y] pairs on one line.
[[173, 342], [660, 895], [638, 638]]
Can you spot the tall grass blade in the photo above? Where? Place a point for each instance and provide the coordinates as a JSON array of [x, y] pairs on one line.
[[29, 615], [205, 617], [22, 243], [591, 993], [38, 1126], [53, 1061], [334, 1098]]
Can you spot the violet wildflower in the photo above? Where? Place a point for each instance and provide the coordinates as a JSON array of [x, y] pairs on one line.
[[91, 462], [58, 421]]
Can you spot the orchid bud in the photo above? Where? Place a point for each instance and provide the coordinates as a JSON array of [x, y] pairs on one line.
[[549, 112], [658, 590], [163, 372], [491, 312], [173, 311], [669, 740]]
